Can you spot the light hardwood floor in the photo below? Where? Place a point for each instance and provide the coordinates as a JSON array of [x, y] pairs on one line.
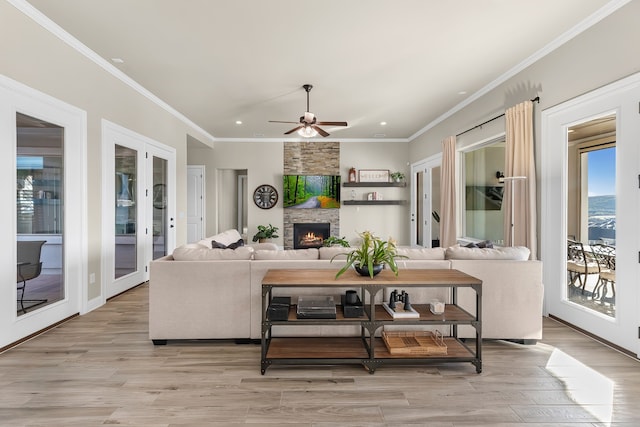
[[101, 369]]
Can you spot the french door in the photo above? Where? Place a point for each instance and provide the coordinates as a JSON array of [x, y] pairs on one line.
[[590, 200], [138, 206], [44, 170]]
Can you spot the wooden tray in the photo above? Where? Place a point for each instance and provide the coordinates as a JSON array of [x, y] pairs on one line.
[[415, 342]]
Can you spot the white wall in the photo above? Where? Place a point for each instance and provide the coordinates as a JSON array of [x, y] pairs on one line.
[[264, 164], [34, 57], [604, 53]]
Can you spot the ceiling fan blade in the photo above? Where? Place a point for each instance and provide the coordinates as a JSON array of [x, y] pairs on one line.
[[279, 121], [294, 129], [332, 123], [320, 131]]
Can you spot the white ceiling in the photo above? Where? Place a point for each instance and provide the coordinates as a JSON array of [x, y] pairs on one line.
[[404, 62]]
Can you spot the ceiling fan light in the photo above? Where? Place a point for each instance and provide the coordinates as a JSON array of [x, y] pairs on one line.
[[307, 132]]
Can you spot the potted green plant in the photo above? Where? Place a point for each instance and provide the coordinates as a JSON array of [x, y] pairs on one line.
[[371, 256], [397, 176], [265, 232], [335, 241]]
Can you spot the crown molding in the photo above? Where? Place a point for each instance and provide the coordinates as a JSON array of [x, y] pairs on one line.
[[585, 24], [41, 19]]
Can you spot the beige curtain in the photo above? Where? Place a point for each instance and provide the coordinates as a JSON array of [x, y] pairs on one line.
[[448, 236], [520, 178]]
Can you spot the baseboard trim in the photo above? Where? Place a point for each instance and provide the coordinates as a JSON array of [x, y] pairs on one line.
[[35, 334], [595, 337]]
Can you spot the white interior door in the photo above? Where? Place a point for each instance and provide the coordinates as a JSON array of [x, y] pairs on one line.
[[560, 198], [138, 206], [195, 203]]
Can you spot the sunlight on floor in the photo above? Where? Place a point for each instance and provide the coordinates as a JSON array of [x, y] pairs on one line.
[[587, 387]]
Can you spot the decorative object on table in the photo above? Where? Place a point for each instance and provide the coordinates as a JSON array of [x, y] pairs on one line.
[[371, 256], [373, 175], [351, 304], [266, 232], [399, 306], [352, 175], [335, 241], [316, 307], [265, 196], [397, 176], [415, 342], [279, 308], [436, 307]]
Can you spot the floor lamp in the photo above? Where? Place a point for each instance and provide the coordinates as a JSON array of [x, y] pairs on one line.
[[513, 180]]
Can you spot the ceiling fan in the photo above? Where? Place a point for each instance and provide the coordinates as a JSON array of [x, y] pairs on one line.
[[308, 124]]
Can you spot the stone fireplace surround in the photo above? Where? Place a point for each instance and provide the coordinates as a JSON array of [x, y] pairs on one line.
[[310, 158]]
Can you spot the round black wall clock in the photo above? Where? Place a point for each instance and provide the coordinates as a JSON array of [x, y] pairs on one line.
[[265, 196]]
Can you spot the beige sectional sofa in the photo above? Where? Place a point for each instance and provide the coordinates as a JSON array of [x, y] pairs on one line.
[[202, 293]]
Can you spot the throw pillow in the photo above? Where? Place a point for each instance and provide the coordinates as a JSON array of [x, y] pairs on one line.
[[234, 245], [226, 238]]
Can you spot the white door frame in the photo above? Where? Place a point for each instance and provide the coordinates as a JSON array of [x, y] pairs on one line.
[[16, 97], [196, 198], [113, 134], [426, 166], [622, 99]]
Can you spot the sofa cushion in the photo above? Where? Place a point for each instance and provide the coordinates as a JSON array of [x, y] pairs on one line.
[[327, 252], [198, 252], [311, 253], [518, 253], [264, 246], [226, 238], [421, 253]]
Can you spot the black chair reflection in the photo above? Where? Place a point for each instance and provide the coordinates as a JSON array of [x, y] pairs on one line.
[[580, 264], [605, 255], [29, 267]]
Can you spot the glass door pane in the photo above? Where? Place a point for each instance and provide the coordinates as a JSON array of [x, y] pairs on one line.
[[126, 211], [159, 207], [484, 189], [39, 213], [591, 216]]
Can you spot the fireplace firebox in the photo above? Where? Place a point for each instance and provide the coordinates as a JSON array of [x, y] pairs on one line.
[[310, 235]]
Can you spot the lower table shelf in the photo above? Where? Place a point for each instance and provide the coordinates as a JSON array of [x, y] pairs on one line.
[[340, 350]]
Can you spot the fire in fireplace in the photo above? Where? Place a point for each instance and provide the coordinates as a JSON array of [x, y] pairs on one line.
[[310, 235]]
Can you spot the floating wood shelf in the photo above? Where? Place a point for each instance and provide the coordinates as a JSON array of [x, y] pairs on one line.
[[374, 184], [373, 202]]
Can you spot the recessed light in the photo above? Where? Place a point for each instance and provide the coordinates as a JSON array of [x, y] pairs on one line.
[[379, 135], [117, 60], [383, 123], [238, 122], [258, 135], [462, 92]]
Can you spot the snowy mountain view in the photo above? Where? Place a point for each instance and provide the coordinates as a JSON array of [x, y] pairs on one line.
[[602, 219]]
